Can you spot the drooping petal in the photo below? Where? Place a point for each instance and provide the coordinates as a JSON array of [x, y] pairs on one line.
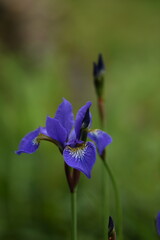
[[29, 143], [158, 223], [65, 116], [101, 139], [55, 130], [81, 157], [82, 118]]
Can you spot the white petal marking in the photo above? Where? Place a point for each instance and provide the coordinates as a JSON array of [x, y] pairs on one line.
[[35, 141], [78, 152]]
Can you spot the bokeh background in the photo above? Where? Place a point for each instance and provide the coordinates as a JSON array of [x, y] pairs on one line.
[[46, 53]]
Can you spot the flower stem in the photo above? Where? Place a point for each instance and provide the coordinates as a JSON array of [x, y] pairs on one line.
[[117, 200], [105, 192], [74, 214], [104, 199]]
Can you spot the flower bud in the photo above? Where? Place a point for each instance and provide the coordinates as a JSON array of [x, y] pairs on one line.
[[98, 75], [111, 230], [158, 223]]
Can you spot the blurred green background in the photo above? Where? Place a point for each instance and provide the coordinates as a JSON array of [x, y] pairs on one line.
[[46, 53]]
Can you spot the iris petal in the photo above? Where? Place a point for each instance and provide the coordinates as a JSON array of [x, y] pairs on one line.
[[81, 157], [43, 131], [55, 130], [80, 118], [101, 139], [72, 135], [29, 143], [65, 116]]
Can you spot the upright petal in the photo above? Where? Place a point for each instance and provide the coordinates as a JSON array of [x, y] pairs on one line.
[[55, 130], [101, 139], [65, 116], [29, 143], [83, 117], [72, 136], [81, 157], [43, 131]]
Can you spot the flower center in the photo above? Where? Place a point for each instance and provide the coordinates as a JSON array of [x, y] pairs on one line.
[[78, 152]]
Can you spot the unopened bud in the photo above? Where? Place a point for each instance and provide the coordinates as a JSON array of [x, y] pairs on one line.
[[111, 230], [158, 223], [98, 75]]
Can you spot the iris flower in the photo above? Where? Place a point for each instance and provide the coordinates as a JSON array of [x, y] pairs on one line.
[[70, 136]]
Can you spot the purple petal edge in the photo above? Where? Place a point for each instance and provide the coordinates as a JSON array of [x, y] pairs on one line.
[[29, 144], [101, 139]]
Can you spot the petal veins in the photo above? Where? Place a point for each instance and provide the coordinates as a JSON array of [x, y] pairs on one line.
[[81, 157]]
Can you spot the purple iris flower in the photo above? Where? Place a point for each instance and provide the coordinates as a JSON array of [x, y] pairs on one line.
[[158, 223], [70, 136]]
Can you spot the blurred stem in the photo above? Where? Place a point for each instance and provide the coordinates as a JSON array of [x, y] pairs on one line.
[[74, 214], [101, 111], [105, 192], [104, 200], [117, 200]]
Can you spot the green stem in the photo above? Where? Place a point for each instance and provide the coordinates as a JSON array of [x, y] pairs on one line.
[[117, 200], [104, 200], [74, 214], [105, 195]]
